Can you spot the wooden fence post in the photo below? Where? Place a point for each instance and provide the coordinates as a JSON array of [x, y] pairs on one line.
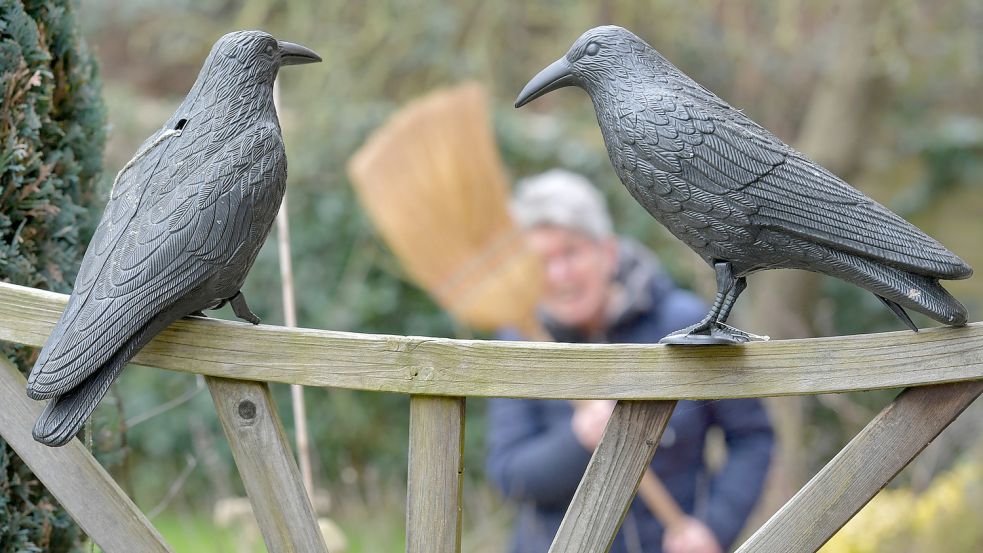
[[436, 469], [267, 466]]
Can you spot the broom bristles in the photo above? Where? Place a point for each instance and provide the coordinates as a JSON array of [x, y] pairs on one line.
[[433, 183]]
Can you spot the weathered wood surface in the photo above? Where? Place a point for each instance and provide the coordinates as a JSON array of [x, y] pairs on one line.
[[74, 476], [436, 470], [608, 486], [267, 466], [885, 446], [434, 366]]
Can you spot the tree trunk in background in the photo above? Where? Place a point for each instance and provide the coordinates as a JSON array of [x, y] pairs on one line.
[[783, 303]]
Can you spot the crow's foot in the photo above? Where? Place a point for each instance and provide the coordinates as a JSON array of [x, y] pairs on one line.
[[711, 333], [239, 307]]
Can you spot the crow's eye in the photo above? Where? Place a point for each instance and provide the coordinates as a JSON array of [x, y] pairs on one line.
[[592, 49]]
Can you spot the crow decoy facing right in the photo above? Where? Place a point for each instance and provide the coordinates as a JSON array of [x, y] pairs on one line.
[[741, 198], [184, 223]]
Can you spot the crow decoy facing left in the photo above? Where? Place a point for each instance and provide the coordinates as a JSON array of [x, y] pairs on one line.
[[185, 220], [741, 198]]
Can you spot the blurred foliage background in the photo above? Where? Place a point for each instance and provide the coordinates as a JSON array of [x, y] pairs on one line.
[[885, 95], [52, 128]]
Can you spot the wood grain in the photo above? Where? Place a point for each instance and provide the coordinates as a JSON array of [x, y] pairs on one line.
[[435, 366], [74, 476], [267, 466], [436, 470], [608, 486], [885, 446]]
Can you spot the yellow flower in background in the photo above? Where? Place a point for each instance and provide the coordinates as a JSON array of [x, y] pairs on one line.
[[943, 518]]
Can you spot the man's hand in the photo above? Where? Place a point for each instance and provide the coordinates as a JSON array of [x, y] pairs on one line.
[[690, 536], [589, 419]]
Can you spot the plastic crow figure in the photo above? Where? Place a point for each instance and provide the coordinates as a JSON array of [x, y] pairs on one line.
[[185, 220], [737, 195]]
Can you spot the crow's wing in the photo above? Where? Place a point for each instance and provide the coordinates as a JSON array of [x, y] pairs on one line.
[[175, 217], [686, 138]]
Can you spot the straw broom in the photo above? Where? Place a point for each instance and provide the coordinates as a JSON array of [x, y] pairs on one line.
[[432, 181]]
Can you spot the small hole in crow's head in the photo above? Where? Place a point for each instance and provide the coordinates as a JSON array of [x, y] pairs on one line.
[[180, 124]]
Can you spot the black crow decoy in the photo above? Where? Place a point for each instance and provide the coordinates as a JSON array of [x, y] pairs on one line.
[[741, 198], [185, 220]]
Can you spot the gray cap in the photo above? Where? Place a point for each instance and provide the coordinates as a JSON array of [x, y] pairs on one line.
[[563, 199]]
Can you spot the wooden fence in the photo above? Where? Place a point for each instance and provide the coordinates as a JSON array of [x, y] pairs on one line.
[[942, 370]]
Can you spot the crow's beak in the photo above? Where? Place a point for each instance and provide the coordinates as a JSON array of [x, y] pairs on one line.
[[295, 54], [557, 75]]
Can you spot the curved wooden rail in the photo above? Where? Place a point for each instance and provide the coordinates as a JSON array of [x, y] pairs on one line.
[[438, 366]]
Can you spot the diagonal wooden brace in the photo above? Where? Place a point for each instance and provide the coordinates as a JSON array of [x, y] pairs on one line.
[[608, 486], [76, 479], [885, 446]]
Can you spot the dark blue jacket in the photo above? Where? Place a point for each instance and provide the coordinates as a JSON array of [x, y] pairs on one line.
[[535, 460]]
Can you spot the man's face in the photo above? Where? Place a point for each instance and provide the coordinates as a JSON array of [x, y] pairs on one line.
[[577, 271]]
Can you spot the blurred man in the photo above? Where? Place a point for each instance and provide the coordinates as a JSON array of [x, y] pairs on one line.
[[602, 290]]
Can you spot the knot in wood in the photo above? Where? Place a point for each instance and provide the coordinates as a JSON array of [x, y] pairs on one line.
[[247, 409], [425, 373]]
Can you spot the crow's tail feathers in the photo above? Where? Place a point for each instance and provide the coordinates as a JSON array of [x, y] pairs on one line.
[[64, 415], [899, 311], [927, 296], [899, 289]]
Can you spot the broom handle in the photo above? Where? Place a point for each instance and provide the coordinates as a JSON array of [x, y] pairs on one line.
[[658, 499], [652, 491]]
